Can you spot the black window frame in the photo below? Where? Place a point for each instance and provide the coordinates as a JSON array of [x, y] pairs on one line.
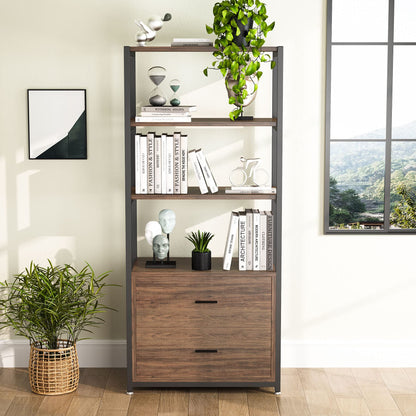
[[389, 112]]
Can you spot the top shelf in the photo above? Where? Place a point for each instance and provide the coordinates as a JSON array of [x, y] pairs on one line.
[[187, 49]]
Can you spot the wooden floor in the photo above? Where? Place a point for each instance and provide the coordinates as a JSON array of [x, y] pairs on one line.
[[309, 392]]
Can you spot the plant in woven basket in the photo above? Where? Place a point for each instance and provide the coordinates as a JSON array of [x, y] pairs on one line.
[[51, 306], [201, 254]]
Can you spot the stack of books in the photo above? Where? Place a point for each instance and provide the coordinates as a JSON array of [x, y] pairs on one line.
[[191, 42], [253, 229], [161, 163], [202, 171], [180, 114]]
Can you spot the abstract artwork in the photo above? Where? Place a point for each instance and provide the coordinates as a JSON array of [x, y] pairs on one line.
[[57, 124]]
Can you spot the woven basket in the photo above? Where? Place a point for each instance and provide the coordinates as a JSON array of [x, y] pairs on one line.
[[53, 372]]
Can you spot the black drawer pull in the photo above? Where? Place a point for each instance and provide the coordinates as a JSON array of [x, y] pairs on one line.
[[206, 301], [206, 351]]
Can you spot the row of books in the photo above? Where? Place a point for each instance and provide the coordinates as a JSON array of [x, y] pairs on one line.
[[161, 163], [252, 229], [180, 114]]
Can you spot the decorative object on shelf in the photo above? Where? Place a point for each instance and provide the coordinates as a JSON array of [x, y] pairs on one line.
[[191, 42], [201, 254], [159, 242], [241, 29], [57, 124], [249, 175], [148, 32], [51, 306], [174, 86], [157, 75]]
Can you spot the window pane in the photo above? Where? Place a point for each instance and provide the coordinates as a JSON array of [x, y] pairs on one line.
[[358, 92], [404, 93], [403, 185], [360, 20], [356, 193], [404, 21]]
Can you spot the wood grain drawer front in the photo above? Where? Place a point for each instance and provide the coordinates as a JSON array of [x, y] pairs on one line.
[[206, 302], [187, 364]]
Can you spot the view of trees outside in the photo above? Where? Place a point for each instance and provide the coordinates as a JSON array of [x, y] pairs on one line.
[[357, 185]]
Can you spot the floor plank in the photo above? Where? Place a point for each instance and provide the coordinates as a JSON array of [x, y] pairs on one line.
[[353, 406], [24, 405], [293, 406], [6, 399], [406, 403], [203, 402], [174, 403], [83, 406], [144, 403], [262, 403], [54, 405], [233, 402]]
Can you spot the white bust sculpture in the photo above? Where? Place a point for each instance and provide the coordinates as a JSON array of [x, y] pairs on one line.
[[167, 220], [160, 246], [151, 230]]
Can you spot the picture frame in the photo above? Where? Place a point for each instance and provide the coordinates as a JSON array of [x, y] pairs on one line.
[[57, 123]]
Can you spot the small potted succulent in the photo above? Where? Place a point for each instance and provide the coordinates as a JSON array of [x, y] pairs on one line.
[[241, 28], [51, 306], [201, 254]]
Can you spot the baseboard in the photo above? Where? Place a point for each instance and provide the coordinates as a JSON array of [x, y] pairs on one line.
[[295, 354], [358, 353], [91, 353]]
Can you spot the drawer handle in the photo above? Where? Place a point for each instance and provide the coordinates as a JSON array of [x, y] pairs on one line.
[[206, 351], [206, 301]]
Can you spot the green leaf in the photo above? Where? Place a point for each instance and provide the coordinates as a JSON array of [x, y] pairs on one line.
[[206, 72], [230, 36], [231, 100], [250, 69], [234, 67], [209, 29], [259, 74], [240, 14], [272, 64]]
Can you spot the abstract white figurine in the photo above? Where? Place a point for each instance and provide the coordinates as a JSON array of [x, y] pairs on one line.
[[148, 32], [151, 230], [167, 220]]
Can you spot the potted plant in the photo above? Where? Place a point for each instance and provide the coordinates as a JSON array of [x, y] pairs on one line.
[[51, 306], [241, 29], [201, 254]]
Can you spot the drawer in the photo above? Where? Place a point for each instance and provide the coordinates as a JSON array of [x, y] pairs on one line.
[[187, 365]]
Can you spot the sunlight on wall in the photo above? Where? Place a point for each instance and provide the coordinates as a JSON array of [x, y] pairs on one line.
[[23, 199], [3, 220]]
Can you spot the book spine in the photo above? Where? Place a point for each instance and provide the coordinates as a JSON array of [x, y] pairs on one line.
[[184, 164], [143, 164], [158, 165], [176, 163], [249, 233], [169, 164], [256, 238], [173, 116], [263, 240], [231, 237], [163, 163], [269, 260], [137, 164], [162, 119], [242, 241], [167, 109], [198, 172], [150, 163], [206, 171]]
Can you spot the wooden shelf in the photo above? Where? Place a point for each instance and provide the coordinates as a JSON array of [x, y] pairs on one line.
[[212, 122], [160, 48], [184, 265], [195, 193]]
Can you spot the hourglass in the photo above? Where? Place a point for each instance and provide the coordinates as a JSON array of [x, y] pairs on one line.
[[174, 86], [157, 74]]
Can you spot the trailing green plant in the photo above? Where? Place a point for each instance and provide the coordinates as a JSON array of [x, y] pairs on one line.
[[200, 240], [238, 58], [47, 304]]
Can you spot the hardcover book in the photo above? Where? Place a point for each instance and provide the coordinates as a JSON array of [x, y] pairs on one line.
[[231, 237], [206, 170], [242, 241], [198, 172]]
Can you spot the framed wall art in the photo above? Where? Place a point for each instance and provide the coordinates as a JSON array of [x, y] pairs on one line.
[[57, 122]]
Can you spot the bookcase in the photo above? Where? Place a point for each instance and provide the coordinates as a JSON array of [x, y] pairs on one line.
[[213, 328]]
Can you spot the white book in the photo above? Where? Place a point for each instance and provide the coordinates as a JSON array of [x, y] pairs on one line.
[[242, 241], [168, 114], [169, 164], [184, 164], [251, 190], [137, 163], [163, 119], [231, 237], [209, 178], [176, 163], [158, 164], [143, 164], [263, 240], [256, 239], [168, 109], [150, 163], [249, 233], [163, 163], [269, 260], [198, 172]]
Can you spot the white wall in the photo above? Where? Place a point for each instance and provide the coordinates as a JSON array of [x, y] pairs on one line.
[[347, 300]]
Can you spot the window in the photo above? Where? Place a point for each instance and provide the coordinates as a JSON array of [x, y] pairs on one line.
[[370, 166]]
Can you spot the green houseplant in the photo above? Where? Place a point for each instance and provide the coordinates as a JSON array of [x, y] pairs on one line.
[[201, 254], [51, 306], [241, 28]]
